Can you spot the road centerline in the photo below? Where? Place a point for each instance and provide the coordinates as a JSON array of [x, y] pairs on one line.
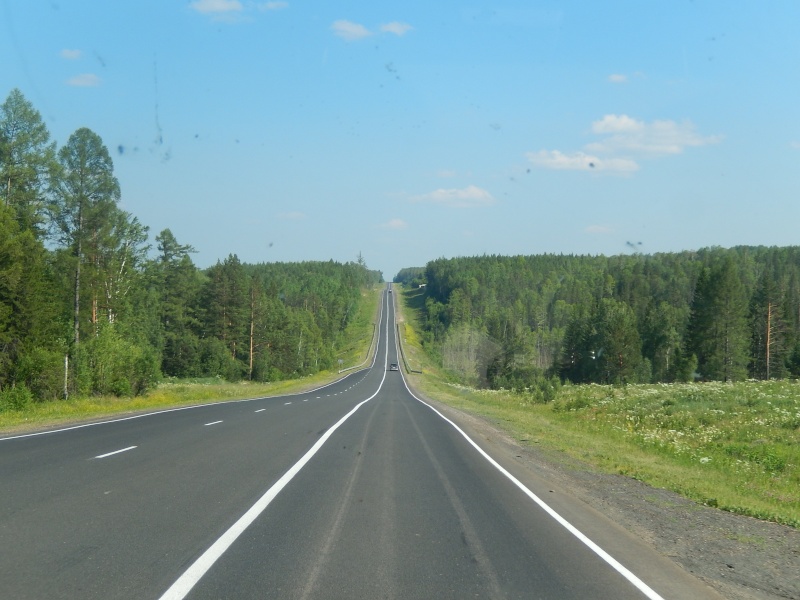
[[107, 454]]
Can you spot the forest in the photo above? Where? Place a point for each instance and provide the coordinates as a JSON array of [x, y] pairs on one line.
[[88, 305], [714, 314]]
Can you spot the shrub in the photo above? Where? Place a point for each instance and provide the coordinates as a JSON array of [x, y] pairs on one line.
[[42, 372], [15, 398]]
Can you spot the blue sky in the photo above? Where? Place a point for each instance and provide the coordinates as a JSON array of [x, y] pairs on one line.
[[299, 130]]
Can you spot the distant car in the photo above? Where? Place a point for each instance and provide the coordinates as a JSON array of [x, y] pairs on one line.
[[390, 290], [394, 367]]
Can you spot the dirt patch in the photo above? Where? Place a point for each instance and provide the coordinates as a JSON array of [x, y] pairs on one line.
[[740, 557]]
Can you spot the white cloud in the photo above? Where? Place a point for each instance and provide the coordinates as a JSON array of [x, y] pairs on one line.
[[349, 31], [659, 138], [624, 140], [273, 5], [84, 80], [216, 6], [467, 197], [397, 28], [580, 161], [292, 216], [616, 124], [396, 224], [71, 54], [618, 78]]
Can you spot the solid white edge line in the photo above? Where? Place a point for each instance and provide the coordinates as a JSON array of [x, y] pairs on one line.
[[116, 452], [200, 567], [261, 410], [610, 560], [212, 423]]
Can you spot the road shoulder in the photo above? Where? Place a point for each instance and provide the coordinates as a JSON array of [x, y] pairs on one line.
[[704, 552]]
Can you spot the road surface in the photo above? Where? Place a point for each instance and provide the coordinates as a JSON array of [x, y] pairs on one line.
[[354, 490]]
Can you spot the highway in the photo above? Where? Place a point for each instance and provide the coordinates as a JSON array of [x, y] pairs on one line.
[[355, 490]]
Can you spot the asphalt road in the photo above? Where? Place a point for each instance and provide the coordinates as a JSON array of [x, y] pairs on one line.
[[355, 490]]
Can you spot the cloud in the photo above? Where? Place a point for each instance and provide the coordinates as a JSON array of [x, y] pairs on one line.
[[580, 161], [68, 54], [216, 6], [468, 197], [397, 28], [616, 124], [349, 31], [84, 80], [292, 216], [618, 78], [602, 229], [273, 5], [659, 138], [625, 140], [396, 224]]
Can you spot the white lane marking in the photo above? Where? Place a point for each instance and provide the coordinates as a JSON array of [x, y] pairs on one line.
[[212, 423], [261, 410], [116, 452], [306, 400], [286, 403], [610, 560], [192, 575]]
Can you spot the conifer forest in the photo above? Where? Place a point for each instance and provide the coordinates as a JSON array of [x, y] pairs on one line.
[[89, 304], [708, 315]]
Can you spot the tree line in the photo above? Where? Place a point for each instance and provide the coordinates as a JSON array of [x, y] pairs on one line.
[[88, 306], [712, 314]]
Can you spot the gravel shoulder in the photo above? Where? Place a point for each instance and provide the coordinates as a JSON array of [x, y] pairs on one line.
[[739, 557]]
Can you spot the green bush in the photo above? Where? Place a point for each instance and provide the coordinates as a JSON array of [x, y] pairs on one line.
[[15, 398], [42, 372]]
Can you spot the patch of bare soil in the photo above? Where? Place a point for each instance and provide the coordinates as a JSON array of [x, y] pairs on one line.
[[740, 557]]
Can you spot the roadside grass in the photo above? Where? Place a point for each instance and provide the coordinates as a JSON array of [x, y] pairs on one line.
[[171, 393], [731, 446], [360, 334]]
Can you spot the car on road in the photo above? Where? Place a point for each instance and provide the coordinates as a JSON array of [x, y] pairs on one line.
[[394, 367]]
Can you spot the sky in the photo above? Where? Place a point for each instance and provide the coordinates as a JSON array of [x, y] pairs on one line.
[[407, 131]]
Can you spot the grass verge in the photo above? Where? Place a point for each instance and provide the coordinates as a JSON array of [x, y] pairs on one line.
[[732, 446]]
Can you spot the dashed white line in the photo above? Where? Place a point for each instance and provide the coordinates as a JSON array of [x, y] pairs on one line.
[[116, 452], [181, 588], [286, 403], [261, 410], [212, 423]]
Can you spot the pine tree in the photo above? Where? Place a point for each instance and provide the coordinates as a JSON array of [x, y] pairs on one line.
[[768, 344], [84, 195], [178, 286], [718, 327], [26, 158], [619, 351]]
